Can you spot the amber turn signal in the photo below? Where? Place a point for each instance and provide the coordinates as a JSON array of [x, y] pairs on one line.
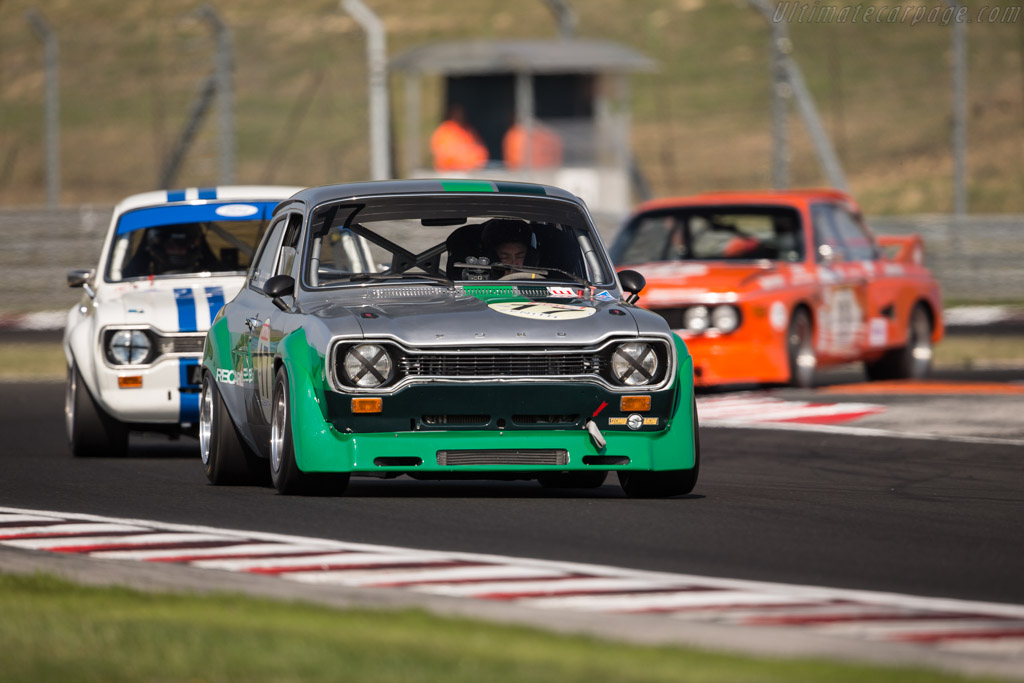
[[367, 405], [133, 382], [634, 404]]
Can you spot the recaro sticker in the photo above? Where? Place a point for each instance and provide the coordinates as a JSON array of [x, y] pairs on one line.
[[542, 311]]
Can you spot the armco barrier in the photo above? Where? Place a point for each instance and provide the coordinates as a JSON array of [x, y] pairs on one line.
[[981, 260]]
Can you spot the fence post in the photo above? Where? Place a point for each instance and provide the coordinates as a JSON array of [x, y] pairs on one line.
[[376, 57], [52, 115], [222, 71]]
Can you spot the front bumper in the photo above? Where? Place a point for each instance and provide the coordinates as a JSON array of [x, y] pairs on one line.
[[738, 358], [502, 444], [167, 396]]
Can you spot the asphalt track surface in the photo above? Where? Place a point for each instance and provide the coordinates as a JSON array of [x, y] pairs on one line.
[[926, 517]]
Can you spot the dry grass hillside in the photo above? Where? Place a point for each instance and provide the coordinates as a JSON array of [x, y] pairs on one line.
[[130, 70]]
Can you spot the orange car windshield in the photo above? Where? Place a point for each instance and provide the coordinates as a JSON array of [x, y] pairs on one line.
[[712, 233]]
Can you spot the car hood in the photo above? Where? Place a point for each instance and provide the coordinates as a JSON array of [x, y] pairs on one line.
[[433, 316], [688, 281], [169, 305]]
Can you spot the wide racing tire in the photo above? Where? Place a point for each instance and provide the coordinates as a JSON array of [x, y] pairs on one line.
[[227, 461], [91, 431], [803, 359], [288, 479], [666, 483], [911, 361]]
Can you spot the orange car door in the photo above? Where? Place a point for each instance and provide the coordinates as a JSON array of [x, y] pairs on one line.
[[841, 318]]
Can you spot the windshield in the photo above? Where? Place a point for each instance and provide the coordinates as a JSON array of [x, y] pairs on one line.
[[712, 233], [169, 241], [453, 239]]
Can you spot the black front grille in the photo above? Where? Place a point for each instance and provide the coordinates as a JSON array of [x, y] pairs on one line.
[[673, 316], [499, 364], [181, 344], [536, 456]]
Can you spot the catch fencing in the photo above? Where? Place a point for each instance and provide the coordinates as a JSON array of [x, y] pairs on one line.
[[978, 261]]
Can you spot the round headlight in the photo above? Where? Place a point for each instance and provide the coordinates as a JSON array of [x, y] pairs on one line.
[[129, 347], [725, 318], [367, 365], [695, 319], [634, 363]]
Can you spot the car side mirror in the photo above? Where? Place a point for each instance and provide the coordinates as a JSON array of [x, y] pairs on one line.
[[829, 255], [633, 283], [279, 286], [79, 277]]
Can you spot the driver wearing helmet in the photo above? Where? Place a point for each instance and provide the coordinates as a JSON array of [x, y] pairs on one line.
[[172, 250], [509, 241]]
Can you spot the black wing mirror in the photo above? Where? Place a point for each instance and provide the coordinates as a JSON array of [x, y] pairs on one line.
[[79, 277], [280, 286], [633, 283]]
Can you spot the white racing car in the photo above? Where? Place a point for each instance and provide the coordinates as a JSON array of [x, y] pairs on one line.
[[133, 343]]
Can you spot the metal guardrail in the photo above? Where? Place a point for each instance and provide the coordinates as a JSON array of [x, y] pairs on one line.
[[980, 261]]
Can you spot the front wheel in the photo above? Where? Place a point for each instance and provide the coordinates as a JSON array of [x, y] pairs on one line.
[[226, 459], [912, 361], [803, 360], [666, 483], [91, 431], [284, 471]]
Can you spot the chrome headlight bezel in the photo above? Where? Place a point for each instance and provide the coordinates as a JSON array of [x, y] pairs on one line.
[[366, 366], [636, 364], [136, 342]]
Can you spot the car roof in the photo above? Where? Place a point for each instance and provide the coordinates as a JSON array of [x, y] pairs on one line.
[[193, 194], [326, 193], [794, 197]]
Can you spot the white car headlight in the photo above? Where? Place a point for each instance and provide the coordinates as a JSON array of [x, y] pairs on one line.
[[634, 363], [128, 347], [695, 319], [725, 318], [367, 365]]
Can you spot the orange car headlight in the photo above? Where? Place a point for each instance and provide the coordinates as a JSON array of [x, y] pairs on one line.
[[725, 318]]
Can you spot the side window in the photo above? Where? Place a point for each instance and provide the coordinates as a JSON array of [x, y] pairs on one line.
[[859, 246], [826, 235], [263, 268], [287, 263]]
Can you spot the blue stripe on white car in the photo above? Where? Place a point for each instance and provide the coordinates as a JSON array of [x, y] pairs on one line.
[[188, 403], [193, 213], [186, 303], [176, 195], [207, 192], [215, 300]]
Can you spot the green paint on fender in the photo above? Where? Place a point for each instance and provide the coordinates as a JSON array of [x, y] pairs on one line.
[[467, 186], [217, 353]]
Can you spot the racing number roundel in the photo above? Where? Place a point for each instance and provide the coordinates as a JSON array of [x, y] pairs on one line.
[[537, 310]]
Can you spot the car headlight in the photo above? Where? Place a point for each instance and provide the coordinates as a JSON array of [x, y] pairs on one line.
[[725, 318], [634, 363], [367, 365], [128, 347], [695, 319]]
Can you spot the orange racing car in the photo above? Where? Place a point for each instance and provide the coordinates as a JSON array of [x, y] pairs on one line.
[[767, 286]]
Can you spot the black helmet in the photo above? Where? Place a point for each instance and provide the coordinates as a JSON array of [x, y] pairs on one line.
[[175, 247], [498, 231]]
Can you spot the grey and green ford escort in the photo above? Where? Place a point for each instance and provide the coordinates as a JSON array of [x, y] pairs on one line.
[[443, 329]]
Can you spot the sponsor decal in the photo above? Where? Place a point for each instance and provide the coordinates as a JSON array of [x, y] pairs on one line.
[[237, 210], [542, 311], [225, 375], [564, 292], [878, 331], [676, 270], [616, 421], [772, 282], [604, 295], [650, 422], [893, 269], [777, 316]]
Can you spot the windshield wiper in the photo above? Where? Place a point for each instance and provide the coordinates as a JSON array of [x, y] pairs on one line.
[[359, 277], [540, 271]]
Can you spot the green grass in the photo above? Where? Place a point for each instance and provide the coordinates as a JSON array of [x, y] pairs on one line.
[[32, 362], [52, 630]]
